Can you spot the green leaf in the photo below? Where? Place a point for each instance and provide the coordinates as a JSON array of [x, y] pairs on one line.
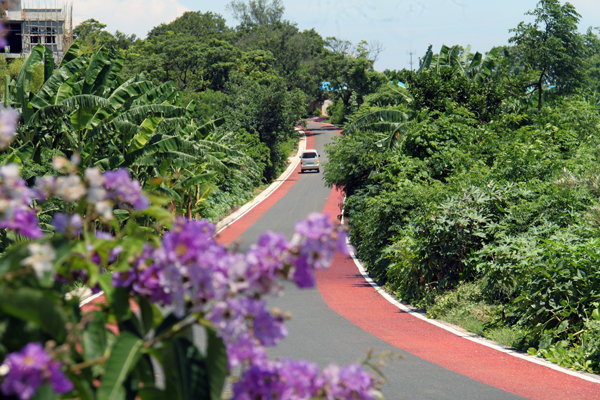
[[26, 151], [120, 304], [162, 215], [24, 78], [121, 215], [98, 62], [94, 338], [48, 63], [185, 370], [105, 282], [65, 75], [195, 180], [44, 392], [146, 130], [33, 305], [152, 393], [82, 385], [71, 54], [426, 63], [123, 357], [596, 314], [167, 323], [146, 314], [216, 362]]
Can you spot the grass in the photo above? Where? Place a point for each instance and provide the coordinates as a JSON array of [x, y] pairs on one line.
[[466, 307]]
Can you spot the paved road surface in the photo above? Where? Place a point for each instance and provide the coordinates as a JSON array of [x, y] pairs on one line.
[[319, 334]]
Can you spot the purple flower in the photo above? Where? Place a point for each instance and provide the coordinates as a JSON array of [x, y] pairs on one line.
[[150, 283], [268, 329], [23, 221], [3, 42], [104, 236], [122, 188], [304, 276], [243, 350], [68, 224], [348, 382], [282, 379], [188, 239], [315, 226], [124, 278], [114, 254], [290, 380], [263, 261], [29, 369], [15, 198], [316, 242], [9, 118]]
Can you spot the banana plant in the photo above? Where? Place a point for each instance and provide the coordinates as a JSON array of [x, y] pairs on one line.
[[388, 124], [88, 95], [479, 69], [84, 107]]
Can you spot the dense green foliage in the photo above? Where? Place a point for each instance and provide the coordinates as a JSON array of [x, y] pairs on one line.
[[195, 102], [476, 199]]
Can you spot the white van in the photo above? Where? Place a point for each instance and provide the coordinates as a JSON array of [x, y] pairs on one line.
[[310, 160]]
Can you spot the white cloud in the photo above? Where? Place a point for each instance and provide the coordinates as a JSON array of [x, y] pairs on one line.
[[129, 16]]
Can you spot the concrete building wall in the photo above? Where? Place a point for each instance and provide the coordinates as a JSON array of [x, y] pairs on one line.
[[29, 27]]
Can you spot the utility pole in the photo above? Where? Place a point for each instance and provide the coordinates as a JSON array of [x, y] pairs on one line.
[[411, 54]]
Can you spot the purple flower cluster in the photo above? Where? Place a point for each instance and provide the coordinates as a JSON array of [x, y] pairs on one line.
[[70, 225], [103, 190], [318, 240], [29, 369], [193, 272], [123, 189], [15, 202], [298, 380]]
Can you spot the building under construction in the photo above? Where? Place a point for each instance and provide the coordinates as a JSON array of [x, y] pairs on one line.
[[29, 23]]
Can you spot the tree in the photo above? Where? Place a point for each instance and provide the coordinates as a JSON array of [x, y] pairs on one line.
[[93, 36], [552, 47], [266, 109], [298, 55], [259, 12], [593, 72], [124, 41], [202, 26], [351, 80]]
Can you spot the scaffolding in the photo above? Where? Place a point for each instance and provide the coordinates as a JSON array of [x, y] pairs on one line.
[[43, 22]]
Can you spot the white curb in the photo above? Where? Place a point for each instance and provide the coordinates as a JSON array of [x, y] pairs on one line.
[[458, 331]]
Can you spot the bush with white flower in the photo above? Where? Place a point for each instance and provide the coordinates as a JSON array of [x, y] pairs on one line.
[[111, 236]]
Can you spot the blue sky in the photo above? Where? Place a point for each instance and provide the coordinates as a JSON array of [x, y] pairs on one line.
[[401, 26]]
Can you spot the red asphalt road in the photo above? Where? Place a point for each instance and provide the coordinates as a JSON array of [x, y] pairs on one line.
[[235, 230], [348, 294]]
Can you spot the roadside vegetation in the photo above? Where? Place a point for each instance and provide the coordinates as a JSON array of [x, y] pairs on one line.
[[199, 111], [473, 188], [110, 165]]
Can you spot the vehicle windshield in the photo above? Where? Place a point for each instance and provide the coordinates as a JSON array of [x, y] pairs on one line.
[[309, 155]]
